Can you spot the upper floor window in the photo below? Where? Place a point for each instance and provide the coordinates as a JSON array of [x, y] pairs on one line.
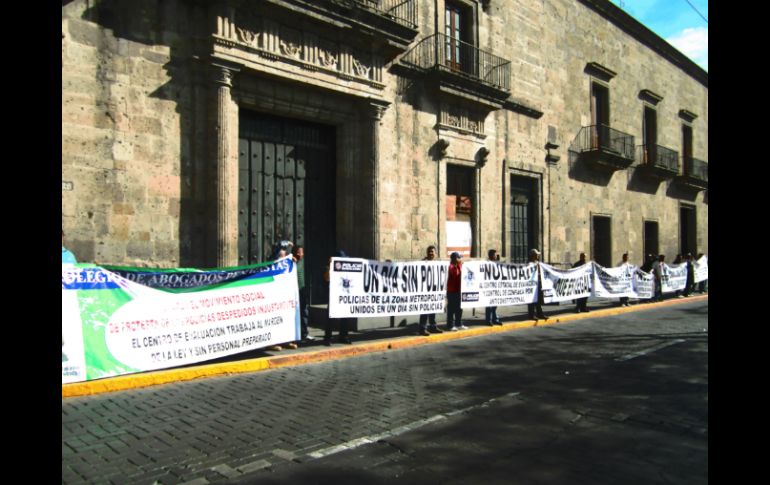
[[458, 30], [650, 131], [600, 104], [687, 147]]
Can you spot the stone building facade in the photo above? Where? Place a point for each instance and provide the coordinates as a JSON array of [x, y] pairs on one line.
[[198, 133]]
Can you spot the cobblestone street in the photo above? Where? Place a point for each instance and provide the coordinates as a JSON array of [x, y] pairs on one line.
[[621, 386]]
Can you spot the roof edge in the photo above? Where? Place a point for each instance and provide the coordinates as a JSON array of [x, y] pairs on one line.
[[637, 30]]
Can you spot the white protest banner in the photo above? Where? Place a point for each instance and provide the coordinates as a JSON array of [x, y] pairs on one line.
[[113, 326], [614, 282], [366, 288], [566, 285], [673, 277], [644, 285], [491, 283], [701, 269]]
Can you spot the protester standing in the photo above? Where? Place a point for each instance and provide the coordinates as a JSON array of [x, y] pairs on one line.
[[280, 250], [427, 323], [702, 284], [344, 323], [624, 299], [690, 285], [454, 310], [657, 271], [535, 310], [581, 303], [647, 266], [298, 253], [490, 312]]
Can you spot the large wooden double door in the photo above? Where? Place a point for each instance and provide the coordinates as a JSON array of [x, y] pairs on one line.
[[286, 190]]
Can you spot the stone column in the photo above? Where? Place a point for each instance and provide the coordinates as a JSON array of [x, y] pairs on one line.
[[374, 117], [227, 171]]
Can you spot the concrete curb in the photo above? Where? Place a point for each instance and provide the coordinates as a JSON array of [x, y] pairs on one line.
[[153, 378]]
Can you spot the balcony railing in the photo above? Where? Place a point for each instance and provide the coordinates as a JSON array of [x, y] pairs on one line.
[[447, 54], [660, 158], [605, 146], [403, 12], [696, 169]]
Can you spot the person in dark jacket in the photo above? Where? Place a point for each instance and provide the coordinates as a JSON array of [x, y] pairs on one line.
[[690, 285], [427, 323], [344, 323], [535, 310], [702, 284], [624, 299], [581, 303], [490, 312], [647, 266]]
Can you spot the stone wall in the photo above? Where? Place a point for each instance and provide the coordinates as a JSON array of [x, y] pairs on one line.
[[549, 45], [126, 103], [139, 167]]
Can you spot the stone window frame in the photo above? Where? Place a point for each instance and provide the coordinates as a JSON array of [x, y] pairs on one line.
[[470, 8], [644, 236], [591, 235], [474, 169], [541, 216], [650, 100], [599, 75], [687, 121]]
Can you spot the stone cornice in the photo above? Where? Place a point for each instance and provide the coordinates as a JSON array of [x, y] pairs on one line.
[[650, 97], [635, 29], [519, 107], [602, 72], [688, 116]]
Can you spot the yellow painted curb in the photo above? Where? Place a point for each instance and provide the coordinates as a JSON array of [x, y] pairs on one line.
[[145, 379]]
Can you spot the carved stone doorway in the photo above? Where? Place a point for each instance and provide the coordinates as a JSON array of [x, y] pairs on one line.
[[286, 191]]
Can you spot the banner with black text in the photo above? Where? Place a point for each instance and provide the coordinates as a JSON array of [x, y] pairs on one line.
[[113, 325], [492, 283], [566, 285], [614, 282], [673, 277], [366, 288], [701, 269], [644, 285]]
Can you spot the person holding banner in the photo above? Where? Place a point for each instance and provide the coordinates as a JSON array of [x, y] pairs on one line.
[[490, 312], [281, 250], [298, 253], [344, 323], [624, 299], [454, 310], [702, 284], [647, 266], [428, 320], [582, 303], [677, 261], [535, 310], [690, 285], [657, 271]]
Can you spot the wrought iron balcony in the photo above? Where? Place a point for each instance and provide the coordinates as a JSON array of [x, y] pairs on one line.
[[462, 64], [403, 12], [695, 174], [604, 147], [658, 161]]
